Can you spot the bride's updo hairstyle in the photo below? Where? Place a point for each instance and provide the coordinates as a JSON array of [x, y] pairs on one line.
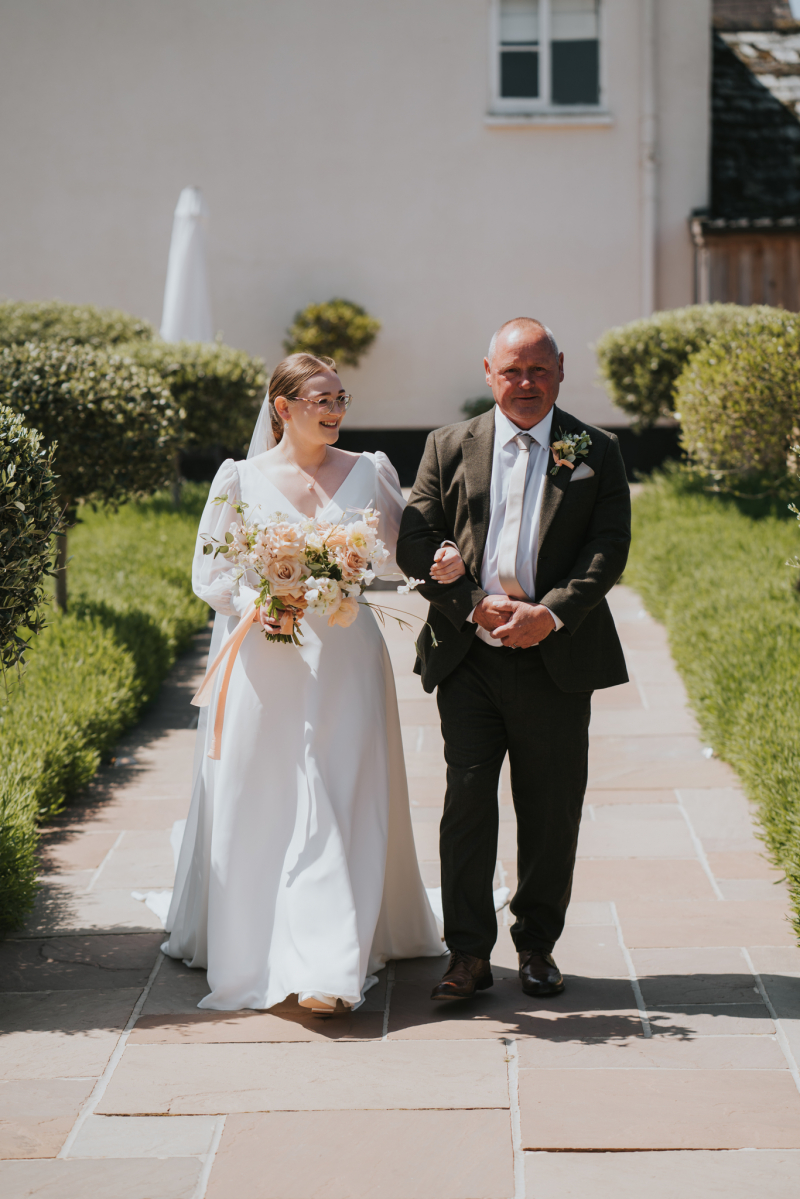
[[289, 378]]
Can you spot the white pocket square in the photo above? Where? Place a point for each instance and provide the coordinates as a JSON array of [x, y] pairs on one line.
[[581, 471]]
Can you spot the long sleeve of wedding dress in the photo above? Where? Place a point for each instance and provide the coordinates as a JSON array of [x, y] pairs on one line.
[[212, 579], [390, 503]]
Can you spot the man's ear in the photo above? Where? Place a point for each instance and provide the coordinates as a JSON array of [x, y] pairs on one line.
[[488, 370]]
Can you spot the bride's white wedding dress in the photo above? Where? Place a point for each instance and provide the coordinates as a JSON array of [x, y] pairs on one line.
[[297, 871]]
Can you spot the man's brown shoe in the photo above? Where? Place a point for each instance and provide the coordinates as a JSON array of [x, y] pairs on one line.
[[539, 974], [464, 976]]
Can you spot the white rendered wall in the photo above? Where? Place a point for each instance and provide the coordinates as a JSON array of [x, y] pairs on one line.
[[342, 148]]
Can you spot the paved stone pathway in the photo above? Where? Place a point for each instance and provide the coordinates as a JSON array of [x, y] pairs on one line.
[[679, 1030]]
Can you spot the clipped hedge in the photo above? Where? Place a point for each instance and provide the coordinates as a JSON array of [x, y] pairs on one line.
[[29, 515], [739, 405], [714, 571], [76, 324], [641, 362], [115, 423], [90, 672], [219, 389], [338, 329]]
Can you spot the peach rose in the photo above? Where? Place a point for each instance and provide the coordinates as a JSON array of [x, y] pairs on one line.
[[284, 575], [345, 614]]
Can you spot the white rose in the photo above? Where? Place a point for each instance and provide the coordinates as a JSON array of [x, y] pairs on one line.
[[324, 596]]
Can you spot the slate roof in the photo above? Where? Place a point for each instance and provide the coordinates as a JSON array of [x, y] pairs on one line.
[[755, 137]]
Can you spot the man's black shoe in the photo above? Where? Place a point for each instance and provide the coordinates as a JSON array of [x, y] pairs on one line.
[[539, 974], [464, 976]]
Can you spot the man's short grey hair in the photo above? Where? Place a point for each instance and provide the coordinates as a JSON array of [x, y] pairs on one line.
[[522, 320]]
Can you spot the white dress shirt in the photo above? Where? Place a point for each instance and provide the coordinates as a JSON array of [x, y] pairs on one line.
[[504, 455]]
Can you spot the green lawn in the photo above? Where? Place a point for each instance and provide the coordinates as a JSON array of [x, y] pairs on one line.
[[89, 674], [714, 571]]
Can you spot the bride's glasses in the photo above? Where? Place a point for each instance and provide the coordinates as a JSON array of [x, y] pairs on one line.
[[327, 406]]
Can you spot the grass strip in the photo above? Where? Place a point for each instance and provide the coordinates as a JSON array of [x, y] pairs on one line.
[[91, 671], [713, 570]]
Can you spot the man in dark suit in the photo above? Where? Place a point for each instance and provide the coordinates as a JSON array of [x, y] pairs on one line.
[[538, 505]]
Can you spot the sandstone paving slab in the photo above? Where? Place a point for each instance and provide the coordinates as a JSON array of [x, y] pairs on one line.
[[174, 1178], [613, 813], [365, 1155], [749, 864], [66, 1011], [660, 773], [754, 890], [659, 1109], [700, 1174], [209, 1028], [424, 792], [422, 738], [779, 970], [627, 697], [697, 922], [74, 849], [55, 1054], [641, 722], [664, 1053], [651, 666], [427, 764], [202, 1079], [99, 911], [712, 1020], [582, 950], [36, 1116], [144, 1136], [153, 812], [722, 818], [670, 977], [635, 838], [418, 712], [643, 634], [176, 989], [637, 879], [653, 795], [588, 1008], [143, 858], [78, 963]]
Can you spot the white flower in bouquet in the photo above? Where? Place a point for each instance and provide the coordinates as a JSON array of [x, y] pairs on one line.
[[323, 596]]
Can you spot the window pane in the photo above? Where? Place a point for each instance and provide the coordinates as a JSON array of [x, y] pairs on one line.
[[519, 74], [576, 74], [574, 20], [519, 22]]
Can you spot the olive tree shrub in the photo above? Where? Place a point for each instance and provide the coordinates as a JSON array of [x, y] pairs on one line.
[[77, 324], [738, 401], [338, 329], [640, 362], [113, 423], [220, 389], [29, 516]]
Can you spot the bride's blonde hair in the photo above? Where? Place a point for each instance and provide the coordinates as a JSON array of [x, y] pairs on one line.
[[288, 379]]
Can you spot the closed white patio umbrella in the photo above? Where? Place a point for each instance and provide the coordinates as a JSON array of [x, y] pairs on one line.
[[187, 301]]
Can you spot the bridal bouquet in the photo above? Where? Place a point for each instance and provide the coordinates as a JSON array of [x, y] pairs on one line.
[[308, 566]]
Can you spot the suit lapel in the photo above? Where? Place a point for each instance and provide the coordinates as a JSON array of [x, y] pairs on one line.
[[555, 485], [476, 449]]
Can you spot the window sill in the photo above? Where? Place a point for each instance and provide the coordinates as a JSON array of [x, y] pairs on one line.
[[551, 117]]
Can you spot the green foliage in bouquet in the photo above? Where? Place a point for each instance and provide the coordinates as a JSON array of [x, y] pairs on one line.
[[115, 424], [75, 324], [29, 515], [338, 329], [641, 361], [220, 389], [91, 670], [739, 405]]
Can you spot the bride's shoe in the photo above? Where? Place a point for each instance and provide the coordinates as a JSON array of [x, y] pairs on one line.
[[320, 1005]]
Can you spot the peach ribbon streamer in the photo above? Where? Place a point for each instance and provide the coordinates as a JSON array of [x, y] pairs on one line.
[[202, 698]]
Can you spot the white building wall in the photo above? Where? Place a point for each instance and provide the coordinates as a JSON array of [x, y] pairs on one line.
[[343, 149]]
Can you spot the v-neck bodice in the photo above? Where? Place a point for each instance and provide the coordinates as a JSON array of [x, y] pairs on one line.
[[321, 512]]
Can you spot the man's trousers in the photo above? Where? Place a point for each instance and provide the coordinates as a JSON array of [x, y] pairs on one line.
[[500, 701]]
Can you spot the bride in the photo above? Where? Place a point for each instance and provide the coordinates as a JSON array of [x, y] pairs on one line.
[[297, 872]]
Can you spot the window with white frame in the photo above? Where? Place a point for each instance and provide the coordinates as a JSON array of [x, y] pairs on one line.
[[547, 53]]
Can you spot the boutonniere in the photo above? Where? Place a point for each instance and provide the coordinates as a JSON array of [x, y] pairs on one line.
[[569, 447]]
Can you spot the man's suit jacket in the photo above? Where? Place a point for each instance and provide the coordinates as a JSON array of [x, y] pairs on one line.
[[583, 547]]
